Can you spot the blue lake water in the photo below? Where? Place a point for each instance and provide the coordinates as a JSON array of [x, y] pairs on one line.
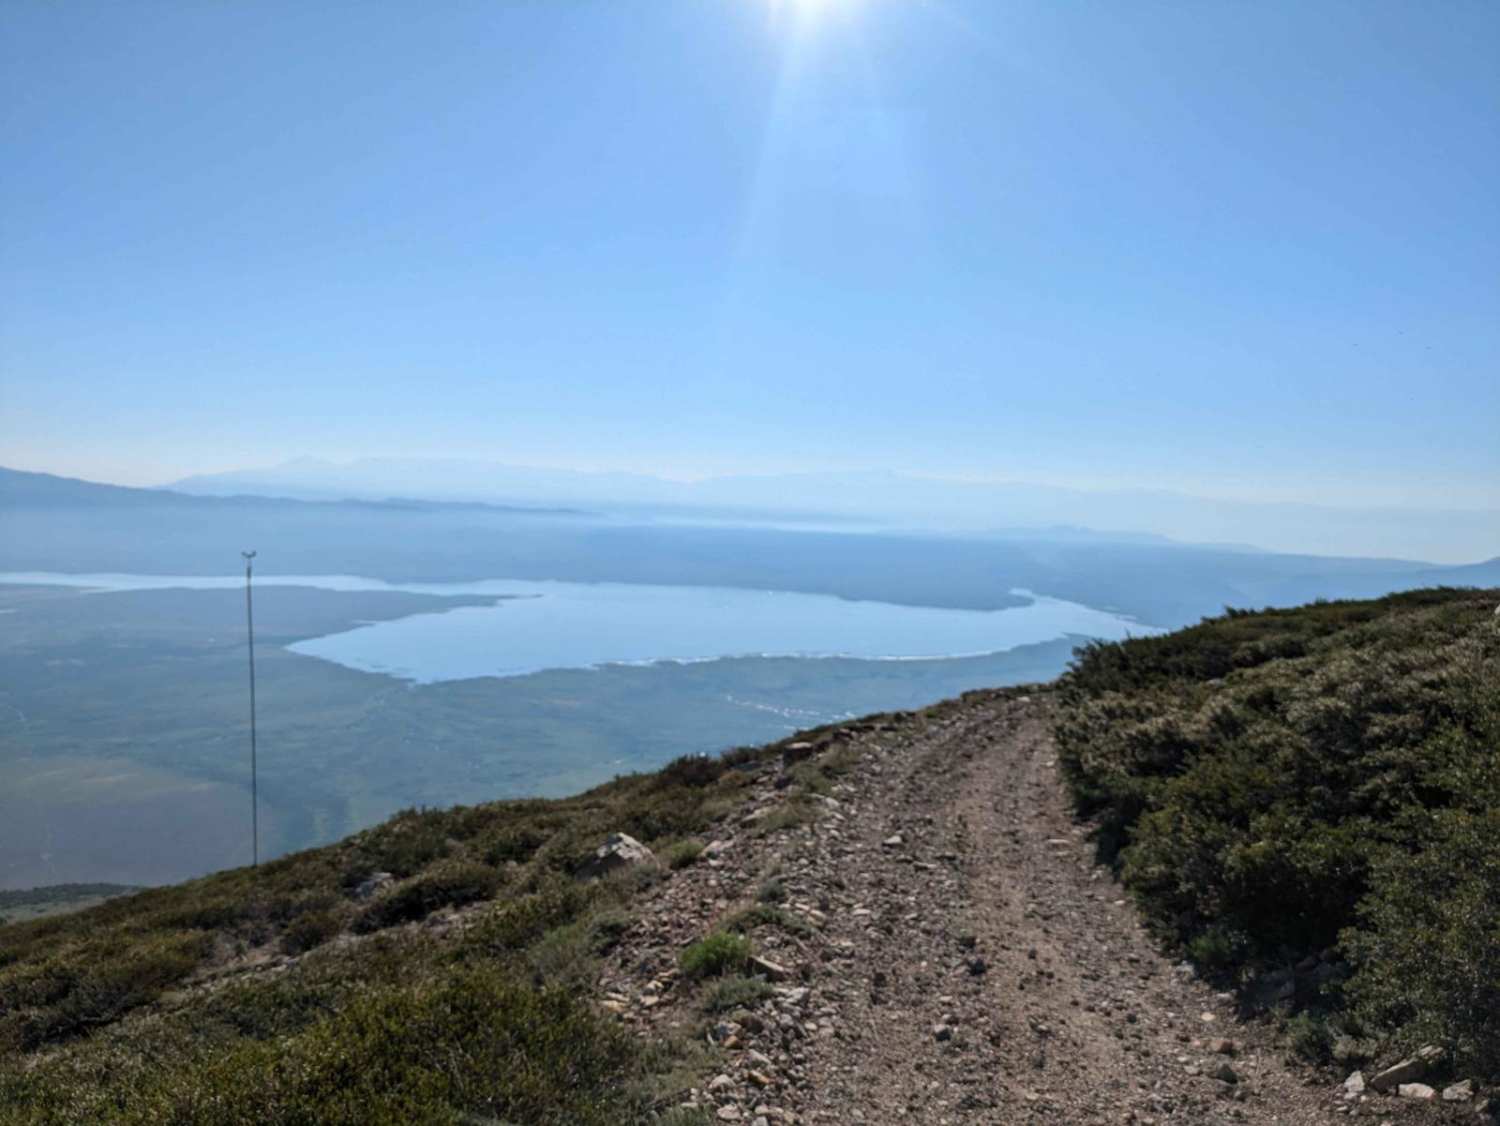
[[551, 625]]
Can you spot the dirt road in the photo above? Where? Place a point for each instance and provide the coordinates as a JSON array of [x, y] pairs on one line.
[[963, 959]]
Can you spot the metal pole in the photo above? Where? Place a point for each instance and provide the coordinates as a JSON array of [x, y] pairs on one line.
[[254, 802]]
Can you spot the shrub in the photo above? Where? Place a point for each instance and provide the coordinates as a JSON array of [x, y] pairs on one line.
[[404, 845], [689, 770], [1274, 784], [766, 915], [515, 925], [82, 987], [445, 885], [311, 930], [772, 891], [514, 844], [607, 929], [1426, 948], [736, 992], [716, 955], [682, 854]]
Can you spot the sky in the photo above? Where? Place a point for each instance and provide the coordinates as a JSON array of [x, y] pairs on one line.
[[1234, 249]]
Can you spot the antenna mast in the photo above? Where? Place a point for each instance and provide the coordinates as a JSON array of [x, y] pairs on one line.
[[254, 802]]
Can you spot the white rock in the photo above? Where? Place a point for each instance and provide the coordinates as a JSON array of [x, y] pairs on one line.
[[619, 850], [1416, 1091], [1459, 1092]]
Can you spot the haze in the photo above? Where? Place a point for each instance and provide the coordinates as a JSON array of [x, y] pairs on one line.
[[1235, 252]]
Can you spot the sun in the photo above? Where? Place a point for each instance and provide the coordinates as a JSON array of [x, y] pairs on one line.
[[809, 9]]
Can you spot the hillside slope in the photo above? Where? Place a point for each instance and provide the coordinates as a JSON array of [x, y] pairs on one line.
[[898, 918]]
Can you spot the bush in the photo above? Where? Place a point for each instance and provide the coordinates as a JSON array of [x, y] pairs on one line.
[[689, 770], [311, 930], [82, 987], [716, 955], [608, 929], [515, 925], [682, 854], [736, 993], [445, 885], [766, 915], [404, 845], [772, 891], [1274, 784], [515, 844], [1427, 943]]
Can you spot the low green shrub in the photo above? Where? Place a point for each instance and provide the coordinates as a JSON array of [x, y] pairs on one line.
[[1272, 785], [716, 955], [682, 854], [515, 925], [766, 915], [451, 884], [311, 930], [736, 992], [690, 770], [772, 891]]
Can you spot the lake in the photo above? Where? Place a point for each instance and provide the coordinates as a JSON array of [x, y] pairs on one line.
[[561, 625]]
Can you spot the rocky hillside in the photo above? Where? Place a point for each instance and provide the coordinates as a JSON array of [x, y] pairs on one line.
[[896, 919]]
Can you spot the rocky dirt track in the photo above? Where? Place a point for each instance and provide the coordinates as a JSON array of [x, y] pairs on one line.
[[950, 953]]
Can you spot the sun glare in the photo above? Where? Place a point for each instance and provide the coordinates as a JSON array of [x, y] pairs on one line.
[[808, 9]]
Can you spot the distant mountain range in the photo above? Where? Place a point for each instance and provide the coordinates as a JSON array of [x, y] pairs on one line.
[[888, 500], [58, 524]]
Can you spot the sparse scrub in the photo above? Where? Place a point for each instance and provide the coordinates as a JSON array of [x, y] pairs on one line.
[[715, 956], [450, 884], [766, 915], [683, 854], [311, 930], [790, 814], [500, 1011], [772, 891], [736, 992]]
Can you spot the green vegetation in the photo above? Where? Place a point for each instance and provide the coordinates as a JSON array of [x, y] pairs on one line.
[[380, 1009], [736, 992], [716, 955], [55, 899], [682, 854], [1321, 784]]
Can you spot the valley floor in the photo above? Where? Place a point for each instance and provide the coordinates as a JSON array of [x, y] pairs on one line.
[[953, 954]]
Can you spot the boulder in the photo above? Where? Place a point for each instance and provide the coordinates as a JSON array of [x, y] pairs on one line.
[[1408, 1070], [1459, 1092], [619, 851], [1416, 1091]]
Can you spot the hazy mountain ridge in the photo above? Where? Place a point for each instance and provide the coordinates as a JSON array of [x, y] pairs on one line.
[[96, 528], [893, 500]]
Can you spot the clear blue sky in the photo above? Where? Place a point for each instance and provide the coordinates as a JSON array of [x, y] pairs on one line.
[[1237, 248]]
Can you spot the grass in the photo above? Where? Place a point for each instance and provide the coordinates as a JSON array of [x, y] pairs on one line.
[[717, 955], [735, 992], [766, 915], [1274, 785], [142, 1009], [122, 1014], [682, 854]]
